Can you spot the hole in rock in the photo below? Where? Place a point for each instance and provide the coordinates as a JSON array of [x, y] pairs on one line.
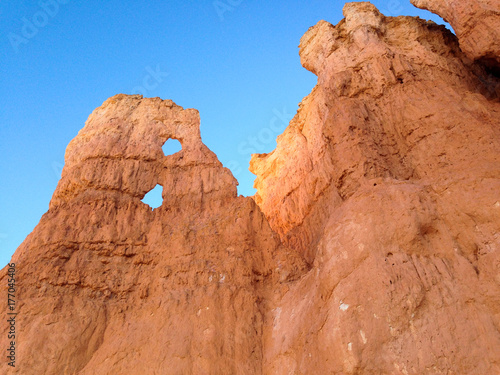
[[171, 146], [154, 199]]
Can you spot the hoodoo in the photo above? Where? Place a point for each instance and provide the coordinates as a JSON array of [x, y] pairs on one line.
[[372, 245]]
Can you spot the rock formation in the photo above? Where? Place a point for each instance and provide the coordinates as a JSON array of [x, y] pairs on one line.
[[387, 181], [477, 24], [372, 245], [106, 284]]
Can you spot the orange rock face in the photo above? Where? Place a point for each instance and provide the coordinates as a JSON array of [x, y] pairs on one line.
[[371, 247], [387, 181], [109, 286], [476, 23]]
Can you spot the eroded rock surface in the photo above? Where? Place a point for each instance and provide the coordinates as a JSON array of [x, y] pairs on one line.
[[387, 180], [109, 286], [371, 247], [477, 24]]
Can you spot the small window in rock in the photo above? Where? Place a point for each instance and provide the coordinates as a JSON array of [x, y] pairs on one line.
[[154, 199], [171, 146]]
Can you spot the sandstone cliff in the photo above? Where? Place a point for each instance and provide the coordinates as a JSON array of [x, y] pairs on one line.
[[109, 286], [387, 181], [371, 247]]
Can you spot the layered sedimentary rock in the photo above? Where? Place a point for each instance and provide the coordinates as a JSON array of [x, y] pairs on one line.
[[387, 181], [109, 286], [476, 22], [372, 244]]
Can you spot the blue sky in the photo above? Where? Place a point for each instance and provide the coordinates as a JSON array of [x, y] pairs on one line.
[[236, 61]]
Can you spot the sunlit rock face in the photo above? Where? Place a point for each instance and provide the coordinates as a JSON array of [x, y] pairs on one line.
[[476, 23], [109, 286], [387, 181], [371, 246]]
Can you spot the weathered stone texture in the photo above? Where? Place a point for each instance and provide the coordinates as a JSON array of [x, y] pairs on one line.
[[372, 245]]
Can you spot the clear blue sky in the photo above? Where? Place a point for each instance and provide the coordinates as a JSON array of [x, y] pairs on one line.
[[236, 61]]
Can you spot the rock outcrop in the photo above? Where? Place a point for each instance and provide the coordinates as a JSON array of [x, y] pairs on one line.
[[109, 286], [477, 24], [387, 181], [372, 245]]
